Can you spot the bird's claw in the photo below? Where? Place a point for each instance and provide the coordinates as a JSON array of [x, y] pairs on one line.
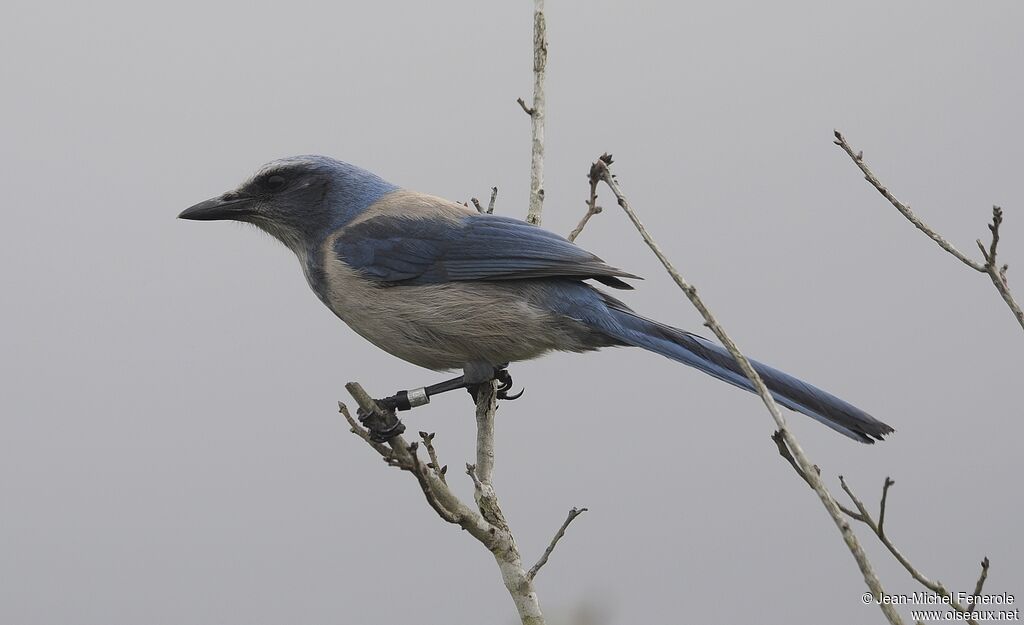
[[504, 395], [504, 379]]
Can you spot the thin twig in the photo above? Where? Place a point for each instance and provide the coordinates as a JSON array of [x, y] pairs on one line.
[[979, 585], [537, 113], [490, 205], [864, 515], [487, 524], [418, 470], [780, 442], [428, 442], [592, 207], [575, 512], [866, 518], [362, 432], [529, 111], [858, 159], [997, 220], [471, 472], [401, 454], [996, 273], [788, 456], [806, 467], [881, 506]]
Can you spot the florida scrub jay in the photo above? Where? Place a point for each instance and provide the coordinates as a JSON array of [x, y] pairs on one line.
[[447, 288]]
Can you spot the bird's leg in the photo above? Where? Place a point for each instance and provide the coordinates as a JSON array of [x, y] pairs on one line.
[[385, 425], [407, 400]]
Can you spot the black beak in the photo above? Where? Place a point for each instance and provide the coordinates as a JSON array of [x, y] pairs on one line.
[[219, 208]]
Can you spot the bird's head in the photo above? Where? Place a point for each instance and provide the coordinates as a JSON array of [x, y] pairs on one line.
[[298, 200]]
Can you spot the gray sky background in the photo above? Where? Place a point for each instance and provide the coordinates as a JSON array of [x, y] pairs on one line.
[[170, 450]]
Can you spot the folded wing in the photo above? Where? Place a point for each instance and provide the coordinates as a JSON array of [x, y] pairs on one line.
[[408, 249]]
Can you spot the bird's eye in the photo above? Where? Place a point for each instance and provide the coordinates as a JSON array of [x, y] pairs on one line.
[[273, 183]]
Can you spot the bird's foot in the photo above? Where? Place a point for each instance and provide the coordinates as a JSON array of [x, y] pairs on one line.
[[384, 424], [504, 379]]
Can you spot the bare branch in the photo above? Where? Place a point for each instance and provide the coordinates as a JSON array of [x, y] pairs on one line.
[[788, 456], [536, 113], [979, 585], [402, 455], [471, 472], [866, 518], [592, 208], [428, 442], [864, 515], [362, 432], [780, 442], [990, 267], [487, 403], [805, 465], [418, 470], [881, 506], [575, 512], [482, 473], [996, 273], [529, 111], [506, 552], [494, 196], [488, 525], [490, 205], [997, 220], [858, 160]]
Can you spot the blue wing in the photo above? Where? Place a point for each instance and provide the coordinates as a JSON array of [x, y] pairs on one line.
[[419, 250]]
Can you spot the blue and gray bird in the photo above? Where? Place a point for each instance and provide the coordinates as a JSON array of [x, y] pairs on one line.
[[447, 288]]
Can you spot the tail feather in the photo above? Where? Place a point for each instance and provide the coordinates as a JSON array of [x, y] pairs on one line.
[[716, 361]]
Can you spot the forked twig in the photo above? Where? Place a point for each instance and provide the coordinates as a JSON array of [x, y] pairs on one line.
[[877, 528], [990, 267]]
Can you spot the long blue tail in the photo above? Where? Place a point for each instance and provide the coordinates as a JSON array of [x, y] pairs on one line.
[[700, 353]]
